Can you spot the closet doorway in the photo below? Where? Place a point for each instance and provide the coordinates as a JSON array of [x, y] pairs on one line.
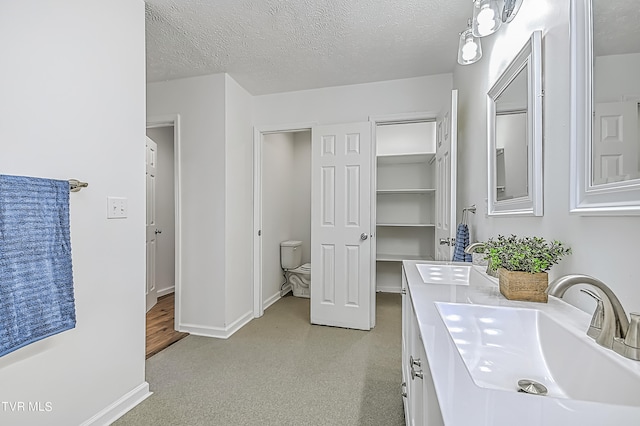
[[415, 209]]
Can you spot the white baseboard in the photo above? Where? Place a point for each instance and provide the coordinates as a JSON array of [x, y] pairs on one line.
[[218, 332], [166, 291], [116, 410], [273, 299], [389, 289], [239, 323]]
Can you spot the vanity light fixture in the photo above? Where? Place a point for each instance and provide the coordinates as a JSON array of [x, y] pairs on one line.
[[469, 48], [510, 9], [486, 17]]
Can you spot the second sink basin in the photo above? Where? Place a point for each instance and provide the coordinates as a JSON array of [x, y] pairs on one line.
[[502, 345], [452, 273]]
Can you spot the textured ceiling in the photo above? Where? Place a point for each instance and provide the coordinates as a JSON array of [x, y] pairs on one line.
[[271, 46], [616, 26]]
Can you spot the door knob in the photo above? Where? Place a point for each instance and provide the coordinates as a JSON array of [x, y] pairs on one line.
[[364, 236], [447, 241], [158, 231]]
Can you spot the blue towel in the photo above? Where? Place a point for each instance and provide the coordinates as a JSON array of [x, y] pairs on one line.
[[36, 281], [462, 241]]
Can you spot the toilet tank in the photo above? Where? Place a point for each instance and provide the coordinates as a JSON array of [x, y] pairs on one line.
[[290, 254]]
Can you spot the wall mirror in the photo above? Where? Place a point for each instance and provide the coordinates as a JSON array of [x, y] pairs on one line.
[[514, 125], [605, 143]]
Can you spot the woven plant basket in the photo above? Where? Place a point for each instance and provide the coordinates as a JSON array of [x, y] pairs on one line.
[[515, 285]]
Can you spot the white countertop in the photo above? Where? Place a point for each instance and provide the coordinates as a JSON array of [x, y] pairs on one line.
[[462, 402]]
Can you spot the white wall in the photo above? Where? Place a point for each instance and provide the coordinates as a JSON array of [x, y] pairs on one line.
[[165, 209], [344, 104], [277, 207], [301, 222], [72, 106], [605, 247], [217, 200], [238, 204], [200, 101], [617, 78]]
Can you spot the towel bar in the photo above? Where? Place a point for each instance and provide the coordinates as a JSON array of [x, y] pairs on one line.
[[471, 209], [75, 185]]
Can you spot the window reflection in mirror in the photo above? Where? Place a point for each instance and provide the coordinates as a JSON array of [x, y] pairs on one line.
[[615, 148], [511, 139]]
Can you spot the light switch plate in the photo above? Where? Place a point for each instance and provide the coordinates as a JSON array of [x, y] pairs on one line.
[[116, 208]]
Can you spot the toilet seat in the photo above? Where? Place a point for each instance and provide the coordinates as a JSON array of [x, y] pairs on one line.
[[302, 269]]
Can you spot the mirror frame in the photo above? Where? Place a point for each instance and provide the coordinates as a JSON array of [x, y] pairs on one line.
[[530, 56], [610, 199]]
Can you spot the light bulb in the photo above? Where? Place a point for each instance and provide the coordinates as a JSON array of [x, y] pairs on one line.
[[485, 17], [469, 47], [469, 50], [486, 20]]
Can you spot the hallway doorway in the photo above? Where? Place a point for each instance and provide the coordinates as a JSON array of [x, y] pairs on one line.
[[160, 332], [163, 320]]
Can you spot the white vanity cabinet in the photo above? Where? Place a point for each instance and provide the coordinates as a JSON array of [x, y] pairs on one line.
[[478, 346], [420, 400]]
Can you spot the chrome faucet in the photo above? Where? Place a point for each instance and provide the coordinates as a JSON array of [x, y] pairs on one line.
[[473, 247], [615, 333]]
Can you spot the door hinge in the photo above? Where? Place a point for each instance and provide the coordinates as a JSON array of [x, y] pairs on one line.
[[259, 232]]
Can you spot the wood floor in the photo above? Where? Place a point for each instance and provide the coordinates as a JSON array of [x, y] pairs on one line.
[[160, 331]]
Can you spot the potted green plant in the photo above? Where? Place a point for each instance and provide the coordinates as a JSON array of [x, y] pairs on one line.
[[522, 264]]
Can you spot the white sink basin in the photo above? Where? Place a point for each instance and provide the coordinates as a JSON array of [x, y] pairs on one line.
[[450, 273], [501, 345]]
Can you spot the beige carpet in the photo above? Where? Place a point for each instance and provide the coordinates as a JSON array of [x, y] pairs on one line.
[[280, 370]]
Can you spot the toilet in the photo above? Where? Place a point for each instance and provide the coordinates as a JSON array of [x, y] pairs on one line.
[[298, 275]]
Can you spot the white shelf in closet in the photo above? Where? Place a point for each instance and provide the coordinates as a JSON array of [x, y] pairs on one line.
[[407, 225], [413, 157], [385, 257], [406, 191]]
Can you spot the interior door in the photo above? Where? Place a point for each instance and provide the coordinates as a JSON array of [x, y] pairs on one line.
[[341, 287], [446, 177], [151, 172], [615, 141]]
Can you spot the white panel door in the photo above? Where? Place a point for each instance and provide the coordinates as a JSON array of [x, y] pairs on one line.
[[151, 171], [341, 288], [446, 178], [615, 142]]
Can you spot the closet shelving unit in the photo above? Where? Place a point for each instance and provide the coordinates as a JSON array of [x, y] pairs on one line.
[[405, 200]]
